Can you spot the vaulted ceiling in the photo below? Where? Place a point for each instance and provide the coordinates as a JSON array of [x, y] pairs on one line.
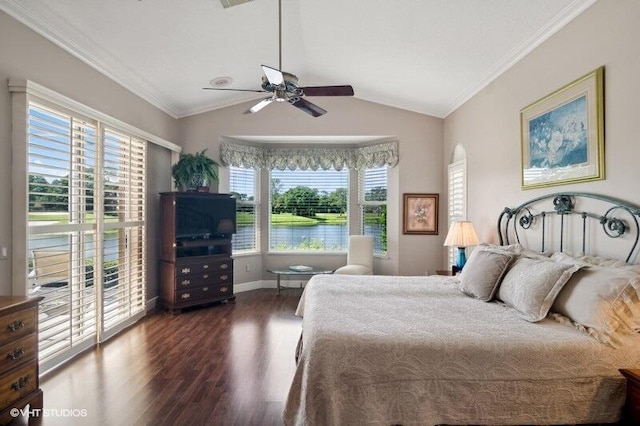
[[427, 56]]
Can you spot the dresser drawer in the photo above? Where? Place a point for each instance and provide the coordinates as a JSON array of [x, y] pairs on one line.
[[198, 280], [203, 266], [18, 383], [202, 293], [17, 324], [15, 353]]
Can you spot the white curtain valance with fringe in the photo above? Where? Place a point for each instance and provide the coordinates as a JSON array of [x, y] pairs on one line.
[[309, 157]]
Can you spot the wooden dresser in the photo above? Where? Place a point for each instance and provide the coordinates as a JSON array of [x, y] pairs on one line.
[[196, 267], [196, 280], [19, 382]]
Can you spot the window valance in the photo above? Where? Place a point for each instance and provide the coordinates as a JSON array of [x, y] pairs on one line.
[[309, 157]]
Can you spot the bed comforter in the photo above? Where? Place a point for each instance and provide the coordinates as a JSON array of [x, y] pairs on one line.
[[382, 350]]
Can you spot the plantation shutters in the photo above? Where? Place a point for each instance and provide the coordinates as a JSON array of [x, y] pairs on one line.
[[61, 230], [86, 229], [373, 206], [457, 197], [309, 210], [123, 209], [243, 186]]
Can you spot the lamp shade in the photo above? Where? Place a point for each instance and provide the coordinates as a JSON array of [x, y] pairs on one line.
[[461, 234]]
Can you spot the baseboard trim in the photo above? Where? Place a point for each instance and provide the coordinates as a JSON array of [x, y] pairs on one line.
[[152, 304], [255, 285], [252, 285]]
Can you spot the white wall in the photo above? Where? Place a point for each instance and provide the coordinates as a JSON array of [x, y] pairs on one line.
[[26, 55], [420, 169], [488, 125]]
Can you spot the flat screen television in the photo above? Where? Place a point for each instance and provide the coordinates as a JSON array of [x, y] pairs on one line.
[[205, 218]]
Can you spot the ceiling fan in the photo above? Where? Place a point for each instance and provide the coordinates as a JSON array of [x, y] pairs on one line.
[[283, 86]]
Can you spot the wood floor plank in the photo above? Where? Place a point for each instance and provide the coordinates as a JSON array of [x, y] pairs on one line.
[[228, 364]]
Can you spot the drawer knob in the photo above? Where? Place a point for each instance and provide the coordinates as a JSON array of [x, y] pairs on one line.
[[186, 295], [224, 289], [205, 276], [186, 282], [17, 353], [224, 266], [205, 288], [205, 266], [15, 326], [224, 277], [186, 270], [22, 383]]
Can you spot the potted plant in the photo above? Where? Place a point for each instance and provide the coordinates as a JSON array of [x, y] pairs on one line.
[[195, 172]]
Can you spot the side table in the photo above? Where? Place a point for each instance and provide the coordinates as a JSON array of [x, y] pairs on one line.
[[285, 271]]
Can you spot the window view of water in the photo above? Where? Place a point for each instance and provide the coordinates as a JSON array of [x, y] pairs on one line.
[[327, 237], [62, 242]]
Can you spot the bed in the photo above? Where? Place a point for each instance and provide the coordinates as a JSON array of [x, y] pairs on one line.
[[388, 350]]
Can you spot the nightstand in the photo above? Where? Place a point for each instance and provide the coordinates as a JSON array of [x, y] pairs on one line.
[[632, 406]]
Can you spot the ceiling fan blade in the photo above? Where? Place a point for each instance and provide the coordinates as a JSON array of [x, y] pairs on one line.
[[257, 107], [274, 76], [308, 107], [236, 90], [345, 90]]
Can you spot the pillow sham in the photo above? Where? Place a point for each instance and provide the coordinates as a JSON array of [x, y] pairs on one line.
[[605, 299], [595, 261], [482, 273], [516, 249], [530, 286]]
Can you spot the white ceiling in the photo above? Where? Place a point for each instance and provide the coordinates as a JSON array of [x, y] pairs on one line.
[[427, 56]]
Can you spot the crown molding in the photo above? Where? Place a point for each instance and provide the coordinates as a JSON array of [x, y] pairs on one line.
[[17, 85]]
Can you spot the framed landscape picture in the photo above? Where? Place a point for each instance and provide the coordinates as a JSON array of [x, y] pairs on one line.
[[420, 214], [563, 134]]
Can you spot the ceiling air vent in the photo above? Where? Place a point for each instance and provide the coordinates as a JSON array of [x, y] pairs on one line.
[[230, 3]]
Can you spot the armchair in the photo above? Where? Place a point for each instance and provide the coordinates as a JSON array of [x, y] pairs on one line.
[[359, 256]]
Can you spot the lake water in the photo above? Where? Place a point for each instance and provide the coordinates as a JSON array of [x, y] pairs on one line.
[[331, 237]]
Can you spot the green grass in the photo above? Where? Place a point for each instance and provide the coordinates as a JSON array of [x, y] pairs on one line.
[[289, 219], [244, 218]]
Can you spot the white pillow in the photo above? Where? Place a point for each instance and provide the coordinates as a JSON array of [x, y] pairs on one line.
[[531, 285], [595, 261], [605, 299]]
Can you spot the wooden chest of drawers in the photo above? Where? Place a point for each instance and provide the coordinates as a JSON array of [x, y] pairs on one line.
[[196, 280], [19, 382]]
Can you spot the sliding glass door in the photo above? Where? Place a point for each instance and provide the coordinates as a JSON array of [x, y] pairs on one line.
[[85, 229]]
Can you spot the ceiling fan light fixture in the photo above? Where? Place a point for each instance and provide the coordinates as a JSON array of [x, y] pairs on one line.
[[221, 81], [283, 86]]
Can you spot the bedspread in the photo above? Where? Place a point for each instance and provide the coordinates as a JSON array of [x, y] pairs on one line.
[[382, 350]]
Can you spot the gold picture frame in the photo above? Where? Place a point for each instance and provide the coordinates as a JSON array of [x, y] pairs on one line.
[[563, 134], [420, 214]]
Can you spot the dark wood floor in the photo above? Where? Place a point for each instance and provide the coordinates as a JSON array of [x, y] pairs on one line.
[[221, 365]]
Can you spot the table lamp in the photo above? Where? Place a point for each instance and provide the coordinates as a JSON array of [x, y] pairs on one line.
[[461, 234]]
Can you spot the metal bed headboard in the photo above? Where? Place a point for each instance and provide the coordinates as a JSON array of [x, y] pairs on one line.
[[616, 217]]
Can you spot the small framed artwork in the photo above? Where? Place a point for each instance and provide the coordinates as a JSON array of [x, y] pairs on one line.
[[420, 214], [563, 134]]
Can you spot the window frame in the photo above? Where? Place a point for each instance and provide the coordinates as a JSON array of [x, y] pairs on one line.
[[348, 213], [256, 209], [456, 195], [362, 203]]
